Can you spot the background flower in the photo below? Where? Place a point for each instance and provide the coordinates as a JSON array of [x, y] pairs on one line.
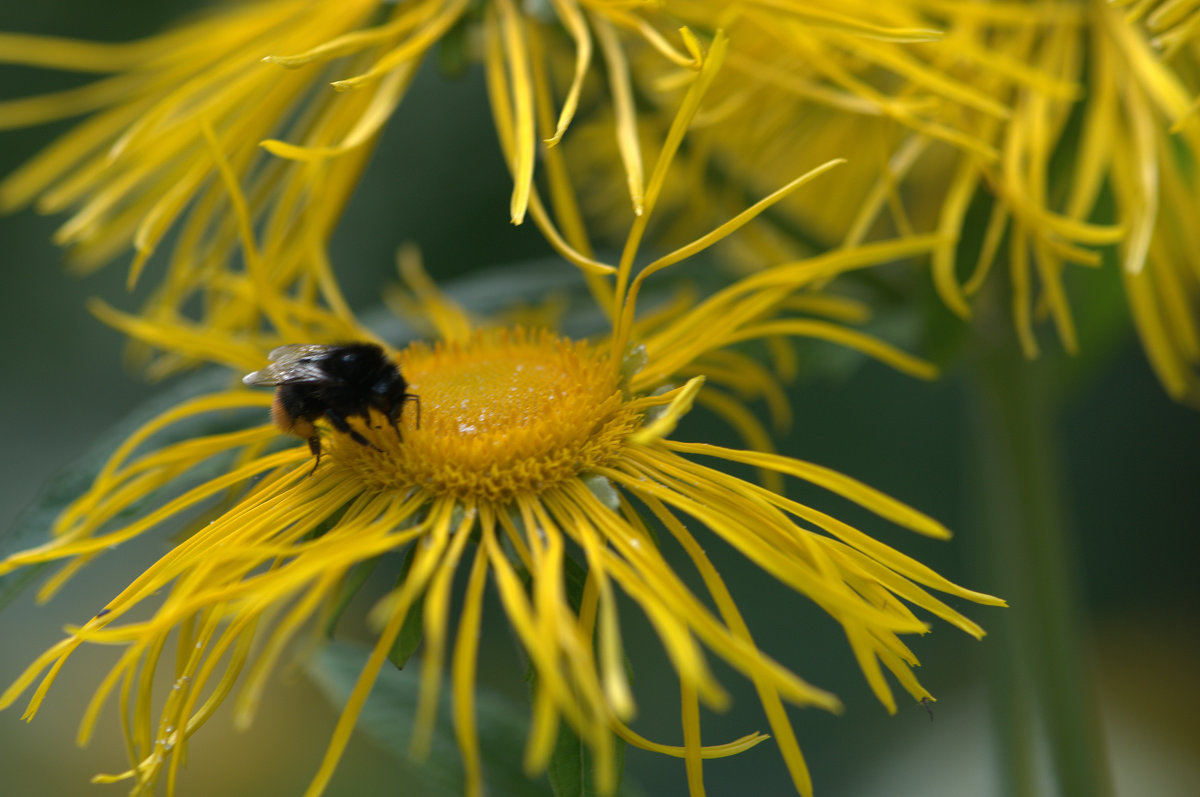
[[288, 98], [1039, 137]]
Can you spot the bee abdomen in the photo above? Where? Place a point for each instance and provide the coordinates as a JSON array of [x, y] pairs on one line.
[[288, 422]]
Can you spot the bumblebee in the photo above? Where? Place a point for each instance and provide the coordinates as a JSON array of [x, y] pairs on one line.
[[335, 382]]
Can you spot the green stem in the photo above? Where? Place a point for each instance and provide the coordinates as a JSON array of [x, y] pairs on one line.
[[1041, 675]]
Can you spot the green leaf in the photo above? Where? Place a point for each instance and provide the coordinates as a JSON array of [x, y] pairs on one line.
[[574, 579], [32, 527], [387, 720], [572, 768], [499, 289], [410, 634], [414, 624], [351, 584]]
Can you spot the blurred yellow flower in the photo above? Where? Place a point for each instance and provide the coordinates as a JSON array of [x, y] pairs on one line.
[[1029, 135], [288, 97], [531, 449]]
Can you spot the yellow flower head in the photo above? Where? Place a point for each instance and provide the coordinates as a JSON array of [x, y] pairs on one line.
[[1034, 137], [287, 98], [525, 450]]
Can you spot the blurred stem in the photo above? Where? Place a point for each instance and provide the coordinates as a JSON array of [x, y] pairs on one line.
[[1041, 673]]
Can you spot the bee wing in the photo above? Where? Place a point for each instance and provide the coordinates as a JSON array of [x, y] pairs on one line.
[[298, 351], [298, 362]]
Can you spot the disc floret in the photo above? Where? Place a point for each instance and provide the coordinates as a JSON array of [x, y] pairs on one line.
[[504, 413]]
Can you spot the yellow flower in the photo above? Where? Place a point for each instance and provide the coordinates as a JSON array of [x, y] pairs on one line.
[[1033, 136], [530, 449], [1143, 133], [288, 97]]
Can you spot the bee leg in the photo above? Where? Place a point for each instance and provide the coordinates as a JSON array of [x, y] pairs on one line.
[[395, 412], [340, 424], [314, 445], [415, 399]]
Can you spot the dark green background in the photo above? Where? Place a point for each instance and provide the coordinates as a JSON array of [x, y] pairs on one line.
[[1132, 460]]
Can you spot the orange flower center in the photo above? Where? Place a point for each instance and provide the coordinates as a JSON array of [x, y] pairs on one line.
[[504, 413]]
